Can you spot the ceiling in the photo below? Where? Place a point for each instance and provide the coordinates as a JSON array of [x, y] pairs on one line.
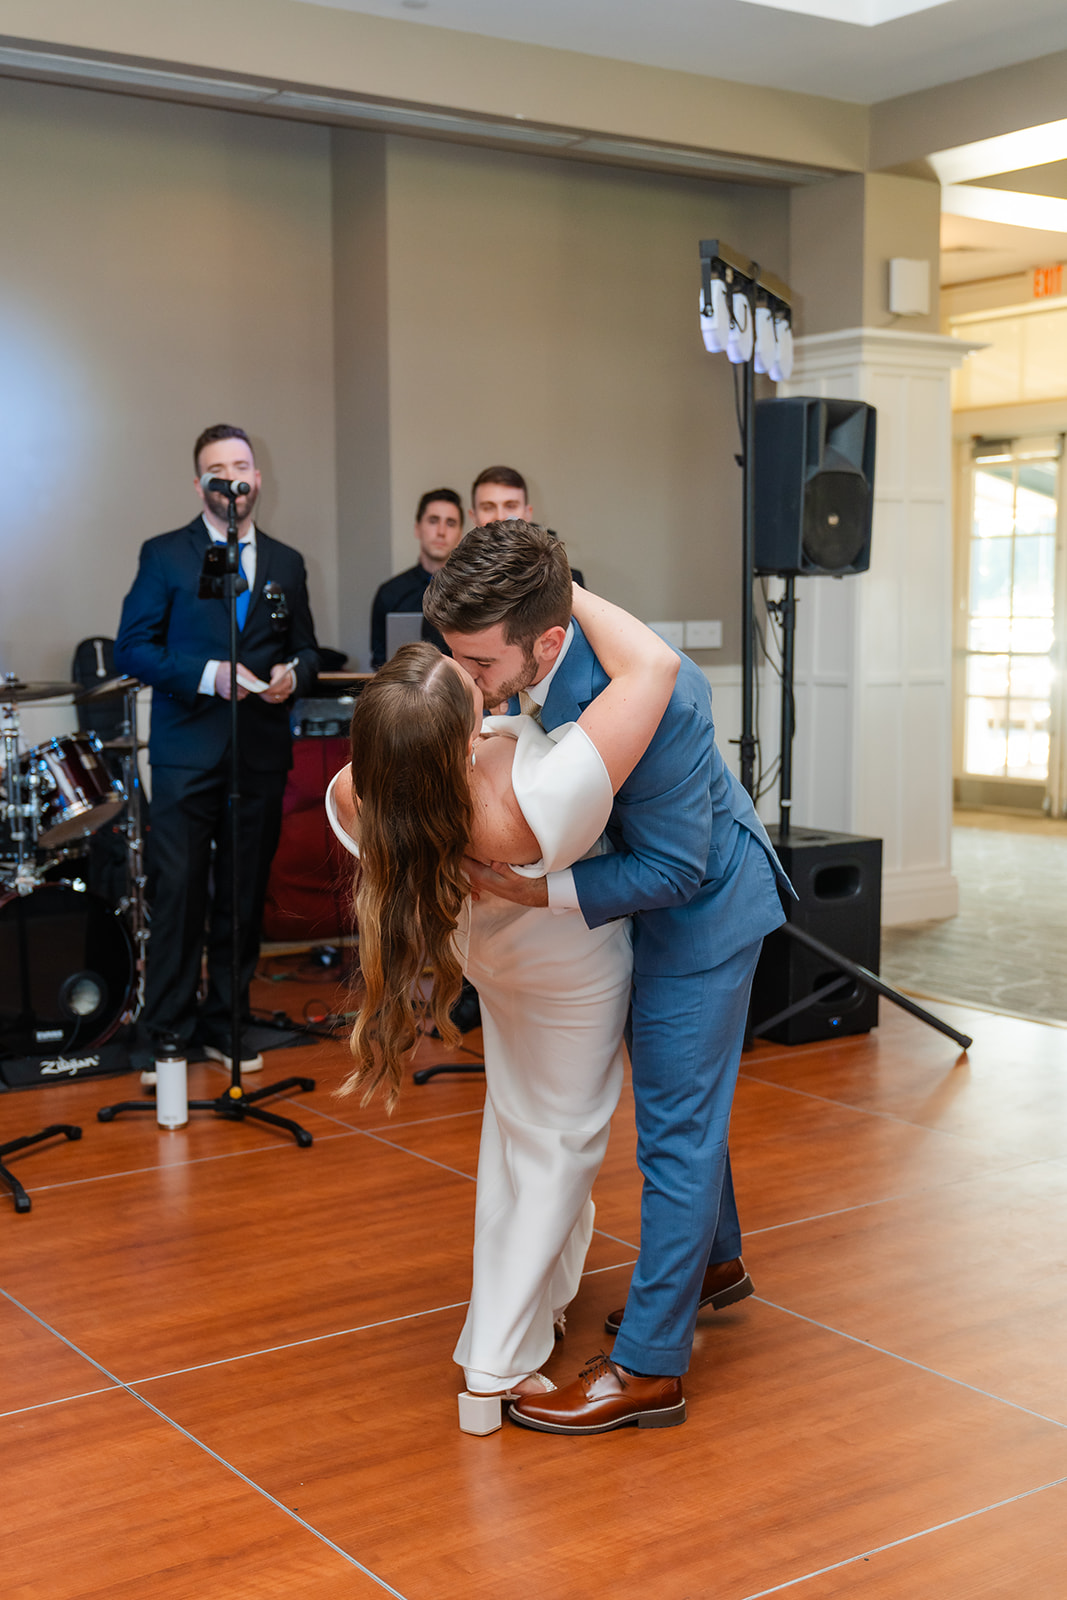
[[804, 46], [753, 41], [972, 250]]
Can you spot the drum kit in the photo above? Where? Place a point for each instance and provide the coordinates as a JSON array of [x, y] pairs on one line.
[[71, 962]]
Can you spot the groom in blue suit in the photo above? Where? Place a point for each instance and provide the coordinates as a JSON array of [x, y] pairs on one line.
[[693, 865]]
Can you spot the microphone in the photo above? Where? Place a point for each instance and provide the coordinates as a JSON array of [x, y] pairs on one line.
[[212, 485]]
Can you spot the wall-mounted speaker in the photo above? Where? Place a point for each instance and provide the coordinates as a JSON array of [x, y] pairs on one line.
[[814, 470]]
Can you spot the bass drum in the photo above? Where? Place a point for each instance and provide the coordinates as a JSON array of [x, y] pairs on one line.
[[66, 971]]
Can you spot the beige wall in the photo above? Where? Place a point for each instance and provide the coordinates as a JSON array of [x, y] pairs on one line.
[[280, 43], [844, 233], [545, 315], [906, 130], [383, 314], [162, 267], [362, 378]]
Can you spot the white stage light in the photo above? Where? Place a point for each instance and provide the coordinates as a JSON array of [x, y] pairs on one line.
[[741, 336], [765, 341], [781, 367], [716, 326]]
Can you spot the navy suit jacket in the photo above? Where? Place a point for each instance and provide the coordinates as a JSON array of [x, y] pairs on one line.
[[167, 635], [681, 827]]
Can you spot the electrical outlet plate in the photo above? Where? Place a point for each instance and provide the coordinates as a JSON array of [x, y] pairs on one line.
[[671, 632], [703, 636]]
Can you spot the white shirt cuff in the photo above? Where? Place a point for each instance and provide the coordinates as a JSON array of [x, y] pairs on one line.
[[562, 893], [207, 678]]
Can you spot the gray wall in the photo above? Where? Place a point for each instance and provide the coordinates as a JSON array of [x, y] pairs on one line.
[[383, 314], [544, 314], [161, 267]]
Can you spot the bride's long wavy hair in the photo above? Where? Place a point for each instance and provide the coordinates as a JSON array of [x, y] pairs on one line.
[[411, 732]]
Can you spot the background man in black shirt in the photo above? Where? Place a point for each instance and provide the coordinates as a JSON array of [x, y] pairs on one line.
[[438, 528]]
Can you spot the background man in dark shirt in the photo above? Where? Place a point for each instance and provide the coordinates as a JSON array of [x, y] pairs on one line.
[[499, 494], [438, 528]]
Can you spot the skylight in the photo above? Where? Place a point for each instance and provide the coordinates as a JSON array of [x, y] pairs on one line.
[[864, 13]]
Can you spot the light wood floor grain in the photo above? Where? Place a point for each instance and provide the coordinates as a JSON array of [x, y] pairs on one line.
[[226, 1360]]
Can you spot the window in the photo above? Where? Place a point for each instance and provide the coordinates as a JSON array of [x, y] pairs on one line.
[[1010, 611]]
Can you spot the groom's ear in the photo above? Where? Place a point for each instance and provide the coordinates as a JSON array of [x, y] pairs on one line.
[[548, 646]]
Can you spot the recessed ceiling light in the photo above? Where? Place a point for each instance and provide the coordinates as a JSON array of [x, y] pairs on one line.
[[1005, 205], [1005, 152], [864, 13]]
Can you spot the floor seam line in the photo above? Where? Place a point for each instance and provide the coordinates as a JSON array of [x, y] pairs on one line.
[[862, 1111], [909, 1361], [910, 1538], [206, 1448], [905, 1194]]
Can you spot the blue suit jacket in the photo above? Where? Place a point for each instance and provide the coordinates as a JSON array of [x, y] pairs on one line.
[[683, 830], [167, 635]]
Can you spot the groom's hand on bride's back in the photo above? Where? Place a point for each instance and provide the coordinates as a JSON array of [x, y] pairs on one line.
[[499, 879]]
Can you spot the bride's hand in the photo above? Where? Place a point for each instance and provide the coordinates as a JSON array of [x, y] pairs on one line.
[[499, 879]]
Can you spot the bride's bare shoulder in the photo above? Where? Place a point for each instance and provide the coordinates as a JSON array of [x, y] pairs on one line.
[[500, 831]]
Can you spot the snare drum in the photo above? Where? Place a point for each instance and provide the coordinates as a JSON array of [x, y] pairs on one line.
[[78, 793]]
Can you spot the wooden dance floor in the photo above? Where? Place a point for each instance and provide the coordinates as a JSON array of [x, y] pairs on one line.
[[227, 1374]]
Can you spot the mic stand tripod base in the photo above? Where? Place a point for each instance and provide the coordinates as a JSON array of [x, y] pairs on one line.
[[233, 1105], [21, 1198], [424, 1074]]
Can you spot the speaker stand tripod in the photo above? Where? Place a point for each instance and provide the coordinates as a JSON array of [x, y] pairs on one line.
[[234, 1105], [786, 610]]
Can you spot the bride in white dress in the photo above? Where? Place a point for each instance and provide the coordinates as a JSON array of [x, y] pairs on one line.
[[434, 783]]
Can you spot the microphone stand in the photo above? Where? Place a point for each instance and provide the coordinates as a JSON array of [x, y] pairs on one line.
[[234, 1105]]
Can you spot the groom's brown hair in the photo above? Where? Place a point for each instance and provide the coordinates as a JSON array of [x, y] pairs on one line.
[[514, 572]]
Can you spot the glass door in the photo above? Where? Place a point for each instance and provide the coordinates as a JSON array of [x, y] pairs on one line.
[[1010, 627]]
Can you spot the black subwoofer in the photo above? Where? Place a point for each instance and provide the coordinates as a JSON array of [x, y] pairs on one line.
[[838, 877], [814, 465]]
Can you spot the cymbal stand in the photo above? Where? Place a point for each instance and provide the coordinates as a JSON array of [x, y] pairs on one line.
[[22, 815], [22, 818], [135, 900]]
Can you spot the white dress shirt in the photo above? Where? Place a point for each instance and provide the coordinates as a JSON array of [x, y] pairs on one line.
[[248, 567]]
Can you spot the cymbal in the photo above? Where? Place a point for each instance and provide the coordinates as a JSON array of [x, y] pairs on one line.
[[105, 690], [13, 688]]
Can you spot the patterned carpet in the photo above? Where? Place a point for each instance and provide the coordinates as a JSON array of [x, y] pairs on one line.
[[1007, 948]]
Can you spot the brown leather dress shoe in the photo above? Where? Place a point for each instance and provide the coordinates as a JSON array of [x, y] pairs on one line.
[[603, 1397], [725, 1282]]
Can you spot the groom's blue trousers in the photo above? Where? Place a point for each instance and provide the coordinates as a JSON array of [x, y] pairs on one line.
[[685, 1037]]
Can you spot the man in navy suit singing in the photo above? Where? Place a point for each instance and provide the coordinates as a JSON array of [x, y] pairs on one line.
[[692, 864], [178, 643]]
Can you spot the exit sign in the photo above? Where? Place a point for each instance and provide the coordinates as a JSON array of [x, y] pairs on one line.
[[1048, 281]]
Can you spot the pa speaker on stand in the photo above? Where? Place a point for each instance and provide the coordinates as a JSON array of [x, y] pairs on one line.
[[813, 511], [814, 486]]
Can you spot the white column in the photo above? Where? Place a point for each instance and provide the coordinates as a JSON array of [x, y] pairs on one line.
[[873, 752]]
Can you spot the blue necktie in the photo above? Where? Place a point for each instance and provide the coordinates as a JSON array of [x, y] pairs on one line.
[[243, 599]]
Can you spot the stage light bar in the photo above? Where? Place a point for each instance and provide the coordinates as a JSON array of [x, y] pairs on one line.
[[744, 312]]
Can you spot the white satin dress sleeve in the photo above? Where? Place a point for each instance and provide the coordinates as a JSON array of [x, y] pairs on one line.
[[554, 996]]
